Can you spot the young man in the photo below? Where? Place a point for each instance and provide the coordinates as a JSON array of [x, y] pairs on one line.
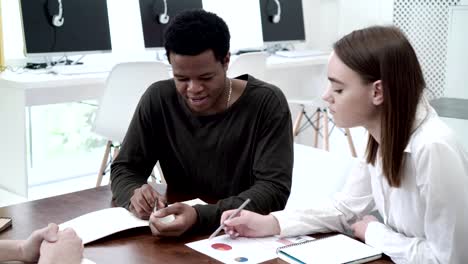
[[228, 139]]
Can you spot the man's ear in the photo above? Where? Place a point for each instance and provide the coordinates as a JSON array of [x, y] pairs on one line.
[[226, 61], [378, 93]]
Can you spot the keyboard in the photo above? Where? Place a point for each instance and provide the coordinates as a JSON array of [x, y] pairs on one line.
[[300, 53], [80, 69], [242, 51]]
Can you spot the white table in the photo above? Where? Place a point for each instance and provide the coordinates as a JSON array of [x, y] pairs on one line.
[[46, 88], [19, 90], [41, 88], [317, 176]]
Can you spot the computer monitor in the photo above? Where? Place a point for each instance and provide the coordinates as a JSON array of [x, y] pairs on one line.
[[156, 14], [57, 27], [282, 21]]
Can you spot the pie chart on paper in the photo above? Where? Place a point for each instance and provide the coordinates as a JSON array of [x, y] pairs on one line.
[[221, 247]]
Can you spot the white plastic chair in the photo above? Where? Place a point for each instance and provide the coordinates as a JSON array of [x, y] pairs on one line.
[[253, 63], [124, 87], [319, 120]]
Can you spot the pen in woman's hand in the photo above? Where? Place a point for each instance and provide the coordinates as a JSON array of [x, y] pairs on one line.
[[231, 216]]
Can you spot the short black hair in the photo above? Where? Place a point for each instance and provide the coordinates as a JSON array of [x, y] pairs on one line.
[[194, 31]]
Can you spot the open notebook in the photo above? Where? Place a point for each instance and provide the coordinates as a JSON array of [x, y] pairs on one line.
[[335, 249], [95, 225]]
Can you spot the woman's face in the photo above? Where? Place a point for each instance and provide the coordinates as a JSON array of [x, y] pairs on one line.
[[351, 101]]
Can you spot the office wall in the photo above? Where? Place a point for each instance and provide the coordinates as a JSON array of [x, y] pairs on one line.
[[12, 31], [457, 53], [2, 58], [321, 23], [357, 14]]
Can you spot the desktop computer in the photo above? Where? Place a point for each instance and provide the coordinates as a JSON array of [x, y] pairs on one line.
[[157, 14], [282, 21], [283, 26], [58, 27]]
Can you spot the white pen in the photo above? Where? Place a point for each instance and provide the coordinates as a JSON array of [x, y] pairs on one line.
[[231, 216]]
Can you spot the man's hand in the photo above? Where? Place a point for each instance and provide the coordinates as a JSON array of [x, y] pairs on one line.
[[29, 248], [67, 249], [185, 218], [360, 227], [143, 200]]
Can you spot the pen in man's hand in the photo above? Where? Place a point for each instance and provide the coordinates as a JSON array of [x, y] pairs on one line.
[[155, 208], [231, 216]]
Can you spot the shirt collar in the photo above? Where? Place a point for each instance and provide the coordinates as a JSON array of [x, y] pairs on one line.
[[422, 112]]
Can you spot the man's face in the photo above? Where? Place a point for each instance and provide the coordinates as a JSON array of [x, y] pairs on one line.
[[201, 81]]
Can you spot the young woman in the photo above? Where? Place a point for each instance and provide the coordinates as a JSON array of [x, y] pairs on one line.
[[415, 173]]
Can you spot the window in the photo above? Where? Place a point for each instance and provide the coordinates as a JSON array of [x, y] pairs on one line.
[[61, 144]]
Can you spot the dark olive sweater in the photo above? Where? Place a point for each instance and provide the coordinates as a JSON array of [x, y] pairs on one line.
[[243, 152]]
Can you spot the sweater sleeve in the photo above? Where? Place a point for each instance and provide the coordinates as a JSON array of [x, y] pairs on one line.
[[272, 170], [138, 152]]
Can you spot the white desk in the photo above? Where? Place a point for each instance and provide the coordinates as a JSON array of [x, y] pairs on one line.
[[46, 88], [277, 62], [41, 89], [20, 90], [28, 89]]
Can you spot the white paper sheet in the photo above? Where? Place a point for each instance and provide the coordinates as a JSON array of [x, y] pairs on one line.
[[243, 250], [87, 261], [92, 226]]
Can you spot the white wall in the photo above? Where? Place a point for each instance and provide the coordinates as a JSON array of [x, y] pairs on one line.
[[321, 24], [356, 14], [243, 20], [12, 30], [457, 54]]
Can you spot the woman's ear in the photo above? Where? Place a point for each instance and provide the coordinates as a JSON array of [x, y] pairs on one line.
[[378, 96]]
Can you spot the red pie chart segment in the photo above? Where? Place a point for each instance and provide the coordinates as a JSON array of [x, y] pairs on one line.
[[221, 246]]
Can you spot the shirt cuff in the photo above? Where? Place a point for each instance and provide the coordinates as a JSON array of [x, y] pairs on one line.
[[375, 233], [286, 227]]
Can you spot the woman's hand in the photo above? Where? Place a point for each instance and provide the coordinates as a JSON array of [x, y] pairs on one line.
[[250, 224], [360, 227]]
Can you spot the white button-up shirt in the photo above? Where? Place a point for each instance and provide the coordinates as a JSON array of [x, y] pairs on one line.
[[425, 220]]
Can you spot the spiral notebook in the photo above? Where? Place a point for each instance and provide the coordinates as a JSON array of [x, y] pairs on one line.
[[335, 249]]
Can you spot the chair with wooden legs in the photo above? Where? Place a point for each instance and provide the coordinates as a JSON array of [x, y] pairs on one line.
[[124, 87], [321, 113]]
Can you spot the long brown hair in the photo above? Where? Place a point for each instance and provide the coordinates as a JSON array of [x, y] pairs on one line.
[[384, 53]]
